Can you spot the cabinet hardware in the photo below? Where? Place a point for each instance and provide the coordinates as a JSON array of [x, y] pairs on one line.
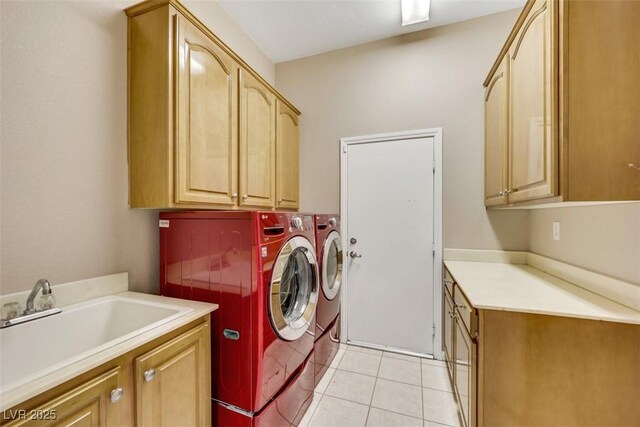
[[633, 166], [245, 197], [149, 375], [234, 196], [116, 394]]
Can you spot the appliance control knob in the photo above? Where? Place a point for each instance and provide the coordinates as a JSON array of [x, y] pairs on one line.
[[333, 222], [296, 222]]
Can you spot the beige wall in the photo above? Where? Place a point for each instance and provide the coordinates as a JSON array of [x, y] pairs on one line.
[[431, 78], [601, 238], [63, 133]]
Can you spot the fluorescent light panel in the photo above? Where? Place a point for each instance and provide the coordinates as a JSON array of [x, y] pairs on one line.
[[414, 11]]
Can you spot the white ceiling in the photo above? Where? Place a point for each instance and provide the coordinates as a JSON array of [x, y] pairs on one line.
[[290, 29]]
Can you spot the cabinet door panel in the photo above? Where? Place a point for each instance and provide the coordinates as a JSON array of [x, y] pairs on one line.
[[178, 391], [206, 107], [532, 156], [448, 332], [86, 405], [464, 374], [496, 136], [257, 143], [288, 158]]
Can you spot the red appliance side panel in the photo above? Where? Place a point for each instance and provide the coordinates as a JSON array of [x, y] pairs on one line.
[[211, 260], [327, 310], [295, 400], [325, 349], [287, 409]]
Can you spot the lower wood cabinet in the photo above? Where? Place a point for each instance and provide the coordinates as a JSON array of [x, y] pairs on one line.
[[93, 403], [172, 382], [514, 369], [460, 347], [162, 383]]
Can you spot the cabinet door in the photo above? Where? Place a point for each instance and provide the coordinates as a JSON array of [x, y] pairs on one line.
[[173, 382], [89, 404], [257, 143], [448, 332], [288, 158], [205, 114], [496, 122], [465, 371], [532, 157]]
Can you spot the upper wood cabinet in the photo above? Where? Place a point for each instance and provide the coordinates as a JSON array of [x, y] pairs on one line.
[[206, 96], [531, 174], [257, 143], [288, 158], [202, 123], [496, 104], [572, 99]]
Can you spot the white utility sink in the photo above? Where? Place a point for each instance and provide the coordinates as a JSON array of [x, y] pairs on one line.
[[36, 348]]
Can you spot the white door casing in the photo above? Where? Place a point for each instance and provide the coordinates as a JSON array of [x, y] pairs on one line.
[[391, 198]]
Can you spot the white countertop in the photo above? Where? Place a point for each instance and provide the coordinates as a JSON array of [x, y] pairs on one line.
[[522, 288], [52, 379]]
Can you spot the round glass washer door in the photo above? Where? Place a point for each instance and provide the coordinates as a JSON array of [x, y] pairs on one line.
[[294, 289], [331, 265]]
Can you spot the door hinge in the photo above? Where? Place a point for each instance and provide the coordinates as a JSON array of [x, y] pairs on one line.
[[433, 248], [434, 169], [344, 149], [433, 329]]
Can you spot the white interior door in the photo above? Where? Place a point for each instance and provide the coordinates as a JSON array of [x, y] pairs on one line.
[[390, 217]]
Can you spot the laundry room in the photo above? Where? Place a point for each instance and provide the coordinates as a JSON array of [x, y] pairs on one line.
[[323, 213]]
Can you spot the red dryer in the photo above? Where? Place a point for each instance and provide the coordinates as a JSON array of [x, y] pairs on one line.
[[261, 269], [329, 255]]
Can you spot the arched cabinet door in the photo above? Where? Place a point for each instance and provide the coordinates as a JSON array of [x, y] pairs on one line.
[[496, 111], [287, 157], [257, 143], [533, 149], [205, 114]]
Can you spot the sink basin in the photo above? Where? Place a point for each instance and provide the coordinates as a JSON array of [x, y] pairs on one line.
[[33, 349]]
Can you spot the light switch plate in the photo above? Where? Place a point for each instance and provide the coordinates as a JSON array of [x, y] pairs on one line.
[[556, 230]]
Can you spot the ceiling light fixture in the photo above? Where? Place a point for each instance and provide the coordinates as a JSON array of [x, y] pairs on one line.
[[414, 11]]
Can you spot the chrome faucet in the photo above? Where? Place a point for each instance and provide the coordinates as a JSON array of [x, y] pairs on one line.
[[46, 290], [10, 311]]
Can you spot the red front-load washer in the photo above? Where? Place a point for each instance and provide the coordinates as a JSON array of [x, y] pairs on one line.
[[329, 255], [261, 269]]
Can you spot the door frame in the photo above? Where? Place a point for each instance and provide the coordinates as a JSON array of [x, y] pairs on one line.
[[436, 134]]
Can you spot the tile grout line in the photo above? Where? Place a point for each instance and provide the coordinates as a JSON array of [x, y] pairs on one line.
[[422, 393], [375, 384], [315, 409]]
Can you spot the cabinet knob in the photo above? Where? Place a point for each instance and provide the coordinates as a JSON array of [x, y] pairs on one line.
[[633, 166], [245, 197], [280, 200], [116, 394], [149, 375], [234, 196]]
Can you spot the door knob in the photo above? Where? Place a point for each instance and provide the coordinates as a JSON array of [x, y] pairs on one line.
[[149, 375], [116, 394], [354, 254]]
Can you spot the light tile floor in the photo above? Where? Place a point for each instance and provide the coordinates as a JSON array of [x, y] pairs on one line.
[[365, 387]]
